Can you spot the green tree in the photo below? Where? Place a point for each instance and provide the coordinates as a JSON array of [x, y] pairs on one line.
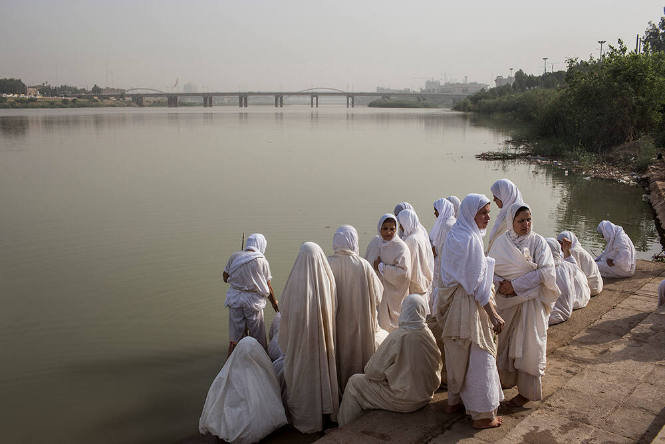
[[12, 86], [96, 90], [654, 36]]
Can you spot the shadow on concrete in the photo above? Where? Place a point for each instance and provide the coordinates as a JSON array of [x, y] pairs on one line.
[[653, 429], [611, 329]]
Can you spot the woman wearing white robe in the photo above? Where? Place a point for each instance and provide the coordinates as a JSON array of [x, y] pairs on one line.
[[565, 281], [505, 194], [584, 260], [403, 374], [456, 204], [422, 258], [276, 355], [307, 339], [580, 282], [391, 260], [527, 290], [466, 313], [243, 404], [359, 292], [618, 258], [444, 222]]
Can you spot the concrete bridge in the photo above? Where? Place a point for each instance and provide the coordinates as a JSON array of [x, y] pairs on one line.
[[139, 94]]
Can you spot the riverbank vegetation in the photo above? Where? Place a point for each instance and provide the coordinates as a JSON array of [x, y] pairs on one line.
[[610, 109], [400, 103]]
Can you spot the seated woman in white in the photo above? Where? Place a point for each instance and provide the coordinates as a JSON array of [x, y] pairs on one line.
[[244, 404], [565, 280], [618, 258], [585, 261], [527, 290], [403, 374]]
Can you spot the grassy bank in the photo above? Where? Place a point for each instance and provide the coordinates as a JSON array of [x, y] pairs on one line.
[[53, 102], [602, 110]]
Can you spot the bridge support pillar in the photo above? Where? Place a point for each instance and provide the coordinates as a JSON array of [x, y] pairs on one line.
[[311, 101], [314, 101], [207, 101], [281, 101], [242, 101], [172, 101], [138, 100], [350, 101], [276, 101], [353, 101]]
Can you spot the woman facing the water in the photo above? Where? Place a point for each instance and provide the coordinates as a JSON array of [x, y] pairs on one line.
[[527, 290], [307, 339], [585, 261], [618, 258]]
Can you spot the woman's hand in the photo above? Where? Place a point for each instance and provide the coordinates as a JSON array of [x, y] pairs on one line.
[[376, 263], [506, 288], [495, 319]]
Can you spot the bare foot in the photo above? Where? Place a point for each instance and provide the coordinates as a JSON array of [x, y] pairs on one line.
[[487, 423], [454, 408], [517, 401]]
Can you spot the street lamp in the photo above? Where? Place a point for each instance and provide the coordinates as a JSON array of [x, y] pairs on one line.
[[601, 48], [545, 64]]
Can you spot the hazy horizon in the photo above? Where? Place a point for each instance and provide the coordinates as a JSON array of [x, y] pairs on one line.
[[294, 45]]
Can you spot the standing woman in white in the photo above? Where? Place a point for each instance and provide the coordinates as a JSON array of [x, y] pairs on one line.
[[505, 194]]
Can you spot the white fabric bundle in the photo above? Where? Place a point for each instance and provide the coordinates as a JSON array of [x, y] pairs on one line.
[[273, 346], [359, 292], [580, 283], [619, 248], [307, 339], [244, 404], [527, 262], [509, 194], [422, 258], [585, 262]]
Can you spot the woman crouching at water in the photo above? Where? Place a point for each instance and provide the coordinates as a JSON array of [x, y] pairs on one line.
[[391, 259], [468, 318], [527, 290]]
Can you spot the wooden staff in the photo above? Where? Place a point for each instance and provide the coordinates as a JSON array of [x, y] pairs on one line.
[[242, 244]]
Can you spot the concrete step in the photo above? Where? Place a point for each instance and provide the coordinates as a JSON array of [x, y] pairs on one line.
[[605, 382]]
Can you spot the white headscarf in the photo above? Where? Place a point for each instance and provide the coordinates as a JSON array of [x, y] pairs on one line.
[[384, 218], [456, 203], [610, 232], [254, 248], [464, 260], [446, 216], [408, 219], [401, 207], [414, 311], [346, 239], [507, 191]]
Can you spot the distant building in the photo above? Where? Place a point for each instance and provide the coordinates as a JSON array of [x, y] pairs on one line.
[[501, 81], [380, 89], [32, 91], [435, 86]]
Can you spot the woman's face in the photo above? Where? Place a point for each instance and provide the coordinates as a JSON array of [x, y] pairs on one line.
[[522, 222], [498, 202], [388, 230], [483, 217]]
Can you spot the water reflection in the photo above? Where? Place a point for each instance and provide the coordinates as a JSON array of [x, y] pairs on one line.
[[14, 126]]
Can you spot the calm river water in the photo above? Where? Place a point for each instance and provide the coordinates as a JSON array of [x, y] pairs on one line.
[[116, 223]]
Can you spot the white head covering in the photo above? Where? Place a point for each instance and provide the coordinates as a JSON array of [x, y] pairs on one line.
[[456, 203], [518, 240], [256, 242], [438, 205], [464, 260], [414, 311], [382, 220], [446, 214], [610, 232], [507, 191], [346, 238], [569, 235], [401, 207], [408, 219], [556, 250]]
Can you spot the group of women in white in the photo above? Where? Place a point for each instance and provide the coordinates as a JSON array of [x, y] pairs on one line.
[[356, 333]]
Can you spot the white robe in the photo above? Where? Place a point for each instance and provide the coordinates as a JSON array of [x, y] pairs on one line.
[[422, 258], [585, 262], [359, 292], [244, 404], [571, 282], [530, 268], [619, 248], [403, 374], [443, 224], [307, 339]]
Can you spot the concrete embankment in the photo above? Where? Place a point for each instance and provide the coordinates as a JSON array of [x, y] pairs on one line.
[[605, 381], [656, 176]]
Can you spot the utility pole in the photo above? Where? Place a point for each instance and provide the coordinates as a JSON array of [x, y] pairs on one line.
[[545, 63], [601, 49]]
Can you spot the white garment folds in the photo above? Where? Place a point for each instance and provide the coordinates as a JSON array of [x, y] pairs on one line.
[[359, 292], [307, 339], [585, 262], [509, 194], [565, 281], [243, 404], [619, 248], [422, 258]]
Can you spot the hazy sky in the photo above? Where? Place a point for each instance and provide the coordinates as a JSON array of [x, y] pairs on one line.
[[294, 45]]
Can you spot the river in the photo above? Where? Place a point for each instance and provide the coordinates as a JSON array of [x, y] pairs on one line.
[[116, 224]]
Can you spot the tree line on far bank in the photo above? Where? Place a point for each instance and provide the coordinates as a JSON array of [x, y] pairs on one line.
[[16, 86], [593, 106]]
